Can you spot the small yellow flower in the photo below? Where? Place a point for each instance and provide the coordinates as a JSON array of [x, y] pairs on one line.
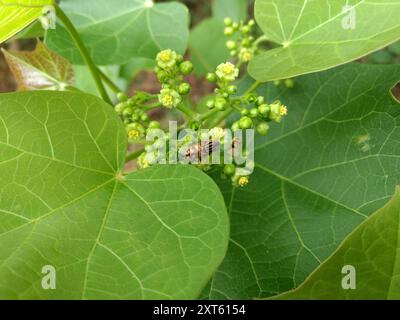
[[169, 98], [283, 111], [166, 59], [227, 71], [243, 181], [134, 134], [245, 55]]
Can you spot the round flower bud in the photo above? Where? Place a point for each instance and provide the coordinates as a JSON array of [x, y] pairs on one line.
[[231, 45], [289, 83], [154, 125], [252, 23], [210, 104], [245, 29], [244, 112], [260, 100], [184, 88], [144, 117], [233, 53], [228, 21], [211, 77], [228, 31], [121, 96], [119, 108], [245, 123], [220, 104], [186, 67], [264, 110], [263, 128], [162, 76], [235, 26], [254, 113], [127, 112], [229, 170], [235, 126], [232, 89]]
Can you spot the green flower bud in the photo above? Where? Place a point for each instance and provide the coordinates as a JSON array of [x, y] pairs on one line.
[[245, 123], [228, 21], [277, 83], [244, 112], [211, 77], [186, 67], [251, 98], [154, 125], [179, 58], [263, 128], [225, 95], [184, 88], [254, 113], [162, 76], [260, 100], [264, 110], [228, 31], [289, 83], [135, 117], [232, 89], [233, 53], [245, 29], [235, 26], [144, 117], [119, 108], [252, 23], [127, 112], [235, 126], [231, 45], [220, 104], [121, 96], [210, 104], [229, 170]]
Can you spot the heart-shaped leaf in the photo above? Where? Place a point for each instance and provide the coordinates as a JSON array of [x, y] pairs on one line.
[[332, 162], [365, 266], [117, 31], [157, 233], [39, 69], [317, 35], [15, 15]]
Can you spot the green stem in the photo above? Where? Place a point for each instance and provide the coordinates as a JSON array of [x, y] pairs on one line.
[[133, 156], [186, 110], [109, 82], [217, 120], [209, 114], [151, 106], [252, 88], [82, 49], [263, 38]]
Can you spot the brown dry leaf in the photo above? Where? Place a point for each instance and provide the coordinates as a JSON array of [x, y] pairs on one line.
[[40, 69]]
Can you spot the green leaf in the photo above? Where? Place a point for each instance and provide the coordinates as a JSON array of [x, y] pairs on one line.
[[207, 46], [234, 9], [314, 35], [40, 69], [117, 31], [156, 233], [372, 253], [332, 162], [15, 15]]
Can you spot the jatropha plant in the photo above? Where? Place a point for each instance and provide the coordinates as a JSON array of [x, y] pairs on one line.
[[274, 183]]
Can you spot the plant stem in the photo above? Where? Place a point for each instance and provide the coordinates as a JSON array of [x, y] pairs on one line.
[[209, 114], [217, 120], [85, 54], [186, 110], [109, 82], [252, 88], [133, 155], [151, 106], [263, 38]]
